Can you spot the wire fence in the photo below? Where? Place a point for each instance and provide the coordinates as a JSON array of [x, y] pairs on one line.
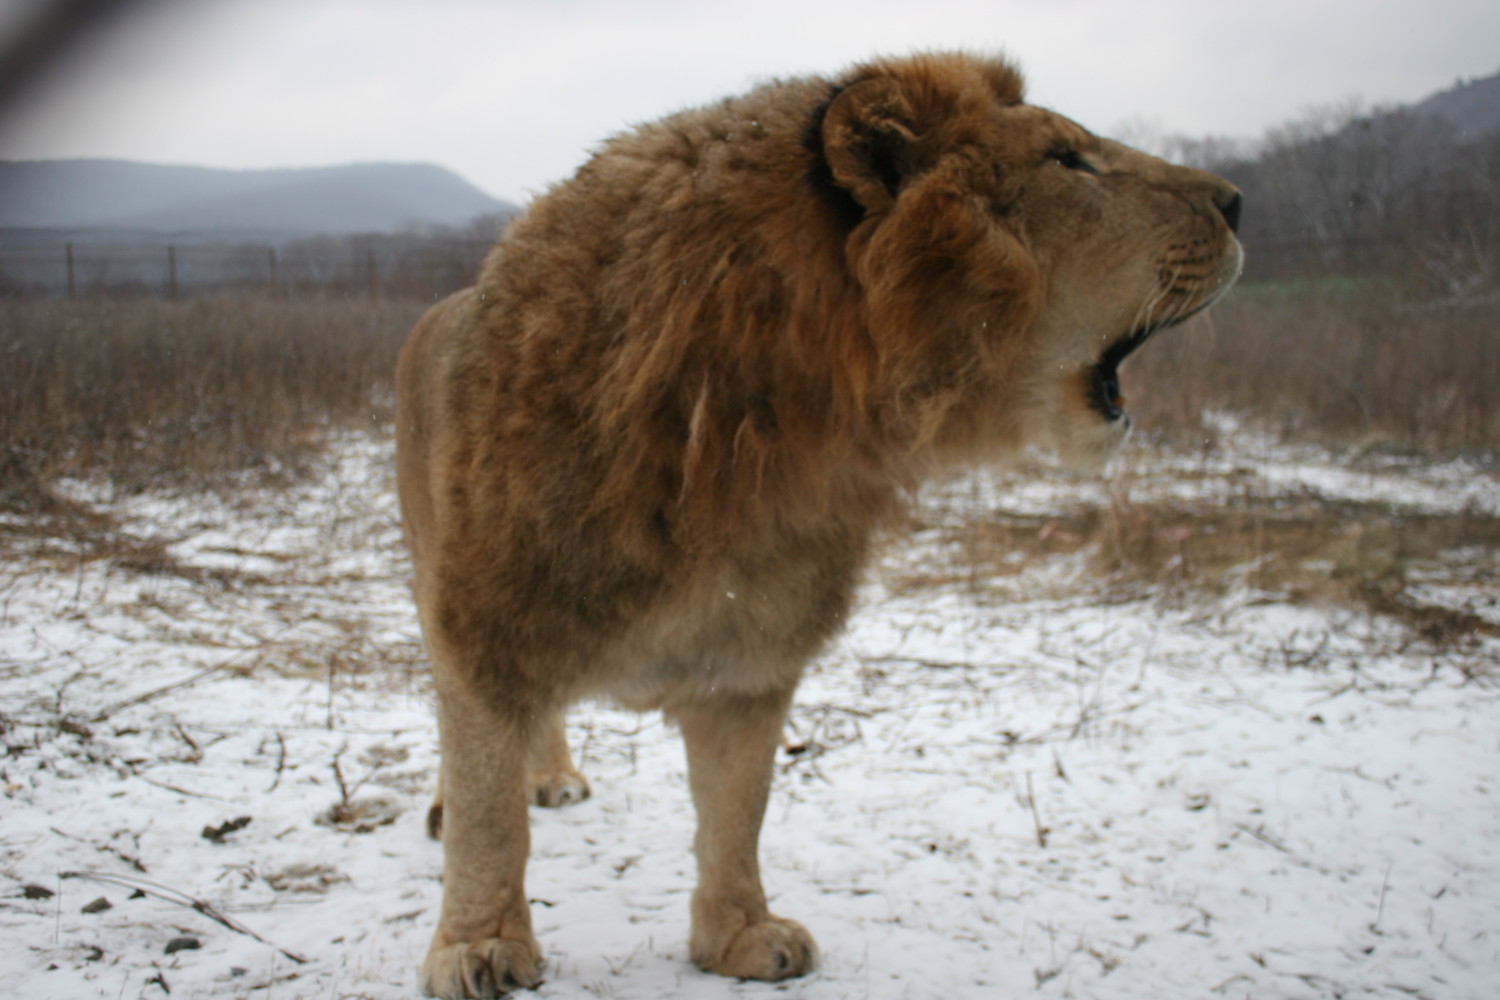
[[400, 266], [375, 267]]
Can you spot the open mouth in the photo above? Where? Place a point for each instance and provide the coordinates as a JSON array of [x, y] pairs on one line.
[[1104, 384], [1104, 378]]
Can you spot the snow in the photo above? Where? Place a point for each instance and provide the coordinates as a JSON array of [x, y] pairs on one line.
[[1060, 794]]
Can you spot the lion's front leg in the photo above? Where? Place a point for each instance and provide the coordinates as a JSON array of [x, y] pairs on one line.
[[483, 946], [554, 779], [731, 748]]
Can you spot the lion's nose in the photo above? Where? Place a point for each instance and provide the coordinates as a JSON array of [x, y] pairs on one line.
[[1228, 204]]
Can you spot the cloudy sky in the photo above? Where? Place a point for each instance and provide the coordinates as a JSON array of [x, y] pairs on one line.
[[513, 94]]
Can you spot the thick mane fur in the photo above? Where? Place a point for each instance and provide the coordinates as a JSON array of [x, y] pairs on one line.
[[728, 340]]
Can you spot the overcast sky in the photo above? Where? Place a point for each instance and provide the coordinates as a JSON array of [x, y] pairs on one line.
[[513, 94]]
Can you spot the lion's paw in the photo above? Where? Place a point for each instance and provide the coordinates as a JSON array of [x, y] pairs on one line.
[[561, 788], [481, 969], [775, 948]]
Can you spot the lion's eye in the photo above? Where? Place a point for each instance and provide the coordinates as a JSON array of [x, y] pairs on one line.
[[1073, 160]]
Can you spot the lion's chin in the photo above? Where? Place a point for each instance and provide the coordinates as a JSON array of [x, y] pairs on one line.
[[1089, 448], [1082, 438]]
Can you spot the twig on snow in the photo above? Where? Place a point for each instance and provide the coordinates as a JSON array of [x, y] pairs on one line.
[[1266, 838], [129, 859], [1385, 883], [338, 775], [280, 760], [192, 679], [1036, 817], [182, 791], [195, 750], [1260, 834], [170, 895]]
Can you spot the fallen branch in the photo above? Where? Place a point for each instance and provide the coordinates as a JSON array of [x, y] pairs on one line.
[[181, 791], [170, 895]]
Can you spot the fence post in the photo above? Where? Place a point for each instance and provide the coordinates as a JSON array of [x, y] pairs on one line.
[[371, 261], [172, 270], [72, 275]]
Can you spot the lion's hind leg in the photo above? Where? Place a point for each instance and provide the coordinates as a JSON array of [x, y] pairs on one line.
[[731, 747], [435, 811], [555, 781]]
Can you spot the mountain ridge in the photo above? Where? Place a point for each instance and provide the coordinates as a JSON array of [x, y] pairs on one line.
[[102, 195], [1470, 106]]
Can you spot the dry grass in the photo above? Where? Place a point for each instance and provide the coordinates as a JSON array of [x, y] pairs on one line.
[[185, 394], [1260, 542], [1346, 363], [146, 392], [1301, 548]]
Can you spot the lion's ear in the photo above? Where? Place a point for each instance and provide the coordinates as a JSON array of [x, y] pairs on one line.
[[869, 135]]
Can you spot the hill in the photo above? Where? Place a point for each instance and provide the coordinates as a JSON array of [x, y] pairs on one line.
[[1471, 106], [85, 196]]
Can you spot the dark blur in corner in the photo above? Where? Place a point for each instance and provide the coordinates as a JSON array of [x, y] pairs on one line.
[[37, 37]]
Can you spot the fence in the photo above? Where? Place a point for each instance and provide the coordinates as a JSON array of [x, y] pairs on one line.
[[374, 267], [379, 267]]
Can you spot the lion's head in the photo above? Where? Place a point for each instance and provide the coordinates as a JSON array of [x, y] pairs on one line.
[[1012, 260]]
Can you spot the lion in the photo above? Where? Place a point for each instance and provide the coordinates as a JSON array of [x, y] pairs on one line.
[[643, 458]]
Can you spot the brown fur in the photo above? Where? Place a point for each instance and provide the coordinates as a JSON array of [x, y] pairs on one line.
[[643, 458]]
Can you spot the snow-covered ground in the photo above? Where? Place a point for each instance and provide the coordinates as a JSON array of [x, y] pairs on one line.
[[1059, 794]]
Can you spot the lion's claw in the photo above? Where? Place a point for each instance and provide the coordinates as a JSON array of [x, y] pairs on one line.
[[481, 970], [775, 948], [561, 789]]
